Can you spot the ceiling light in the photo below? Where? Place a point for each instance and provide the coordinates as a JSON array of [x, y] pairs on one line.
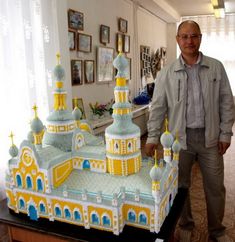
[[214, 3], [219, 12]]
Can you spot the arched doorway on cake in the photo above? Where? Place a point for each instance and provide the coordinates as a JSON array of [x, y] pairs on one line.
[[33, 213], [86, 165]]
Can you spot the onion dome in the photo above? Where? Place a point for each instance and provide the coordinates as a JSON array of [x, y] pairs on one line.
[[59, 72], [30, 137], [176, 146], [156, 172], [13, 151], [37, 125], [77, 114], [166, 138], [121, 64]]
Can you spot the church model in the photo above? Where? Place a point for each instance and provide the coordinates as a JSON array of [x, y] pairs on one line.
[[63, 172]]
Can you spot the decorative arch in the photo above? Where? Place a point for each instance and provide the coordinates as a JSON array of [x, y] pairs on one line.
[[57, 210], [29, 184], [143, 218], [129, 146], [18, 180], [39, 184], [67, 213], [106, 221], [116, 146], [131, 216], [21, 203], [86, 165], [77, 215], [95, 218], [42, 207]]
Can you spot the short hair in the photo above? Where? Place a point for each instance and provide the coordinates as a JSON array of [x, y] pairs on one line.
[[188, 22]]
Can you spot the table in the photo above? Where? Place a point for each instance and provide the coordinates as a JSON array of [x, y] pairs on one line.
[[21, 228]]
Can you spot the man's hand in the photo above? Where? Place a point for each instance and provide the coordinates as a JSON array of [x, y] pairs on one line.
[[150, 149], [222, 147]]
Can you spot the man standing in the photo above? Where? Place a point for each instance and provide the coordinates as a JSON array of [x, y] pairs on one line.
[[195, 94]]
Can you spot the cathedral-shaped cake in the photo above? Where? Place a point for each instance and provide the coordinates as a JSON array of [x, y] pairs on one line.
[[63, 172]]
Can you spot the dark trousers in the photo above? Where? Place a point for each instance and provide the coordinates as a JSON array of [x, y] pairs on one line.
[[212, 168]]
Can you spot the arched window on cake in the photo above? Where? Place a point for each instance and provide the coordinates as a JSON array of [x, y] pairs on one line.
[[42, 208], [39, 185], [57, 211], [106, 220], [86, 165], [129, 146], [95, 218], [29, 182], [131, 216], [67, 213], [142, 218], [18, 180], [116, 146], [21, 203], [77, 215]]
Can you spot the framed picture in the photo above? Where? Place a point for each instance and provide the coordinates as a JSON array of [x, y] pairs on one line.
[[76, 72], [163, 52], [78, 102], [119, 42], [89, 73], [72, 40], [126, 43], [105, 70], [84, 42], [122, 25], [128, 75], [104, 34], [75, 20]]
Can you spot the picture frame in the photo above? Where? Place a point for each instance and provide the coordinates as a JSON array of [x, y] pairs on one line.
[[119, 44], [84, 42], [72, 40], [89, 71], [126, 43], [122, 25], [105, 70], [76, 72], [104, 34], [78, 102], [75, 20]]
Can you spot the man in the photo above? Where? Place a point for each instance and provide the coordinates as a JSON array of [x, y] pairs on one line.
[[195, 94]]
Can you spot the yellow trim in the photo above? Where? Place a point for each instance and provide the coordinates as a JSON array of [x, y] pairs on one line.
[[59, 84], [120, 82], [121, 111]]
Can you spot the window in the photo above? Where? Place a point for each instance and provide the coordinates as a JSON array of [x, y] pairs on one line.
[[39, 185], [21, 203], [58, 212], [67, 213], [29, 182], [77, 216], [18, 180]]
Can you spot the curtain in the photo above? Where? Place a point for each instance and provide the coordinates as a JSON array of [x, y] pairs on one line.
[[28, 44], [218, 41]]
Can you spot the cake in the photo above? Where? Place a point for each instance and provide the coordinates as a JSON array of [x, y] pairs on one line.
[[63, 172]]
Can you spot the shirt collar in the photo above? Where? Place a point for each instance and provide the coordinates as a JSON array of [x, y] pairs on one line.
[[197, 62]]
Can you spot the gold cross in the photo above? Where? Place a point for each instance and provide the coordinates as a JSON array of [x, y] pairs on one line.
[[58, 58], [11, 137], [35, 108]]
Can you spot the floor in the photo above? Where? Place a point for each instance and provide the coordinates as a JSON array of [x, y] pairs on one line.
[[198, 201]]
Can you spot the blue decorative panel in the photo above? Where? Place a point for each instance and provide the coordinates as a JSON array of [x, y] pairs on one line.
[[57, 212], [77, 215], [39, 185], [22, 204], [42, 208], [106, 221], [67, 213], [94, 219], [143, 219], [86, 164], [29, 182], [131, 217], [18, 181], [33, 213]]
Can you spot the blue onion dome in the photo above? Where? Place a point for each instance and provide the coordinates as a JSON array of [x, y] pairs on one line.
[[59, 72], [156, 173], [121, 64], [13, 151], [166, 138], [176, 147], [77, 114], [37, 125], [30, 137]]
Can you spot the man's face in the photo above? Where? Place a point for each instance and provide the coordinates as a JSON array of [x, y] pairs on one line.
[[189, 39]]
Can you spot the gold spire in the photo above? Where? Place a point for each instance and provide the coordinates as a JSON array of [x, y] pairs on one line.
[[11, 137], [35, 108], [155, 158], [58, 58], [166, 125], [177, 135]]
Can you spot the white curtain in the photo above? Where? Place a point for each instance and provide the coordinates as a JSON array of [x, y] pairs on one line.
[[28, 44], [218, 41]]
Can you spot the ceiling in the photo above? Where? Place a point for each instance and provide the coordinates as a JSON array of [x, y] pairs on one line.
[[198, 7], [171, 10]]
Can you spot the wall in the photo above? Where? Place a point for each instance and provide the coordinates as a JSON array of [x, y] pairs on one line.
[[144, 28]]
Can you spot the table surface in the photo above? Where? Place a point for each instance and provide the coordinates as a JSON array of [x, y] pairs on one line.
[[78, 233]]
